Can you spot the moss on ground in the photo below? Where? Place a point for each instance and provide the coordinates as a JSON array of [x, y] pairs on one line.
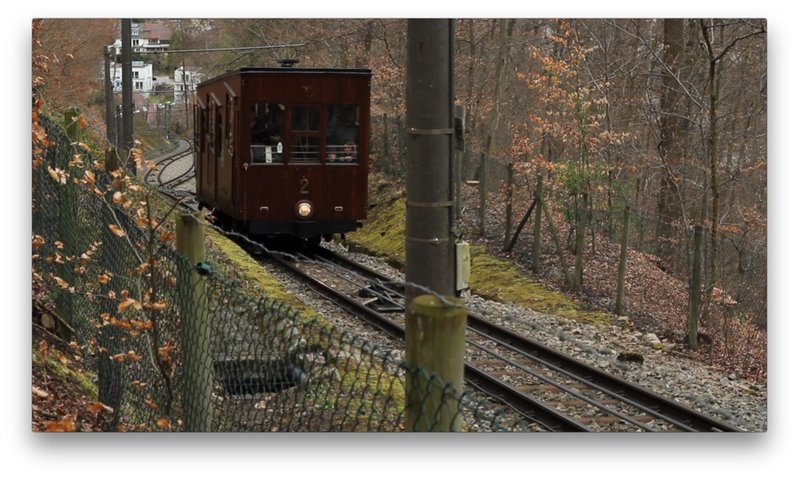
[[384, 235], [501, 280], [75, 379], [492, 277], [380, 392], [257, 279]]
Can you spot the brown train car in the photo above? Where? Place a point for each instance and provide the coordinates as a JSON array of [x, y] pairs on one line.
[[284, 151]]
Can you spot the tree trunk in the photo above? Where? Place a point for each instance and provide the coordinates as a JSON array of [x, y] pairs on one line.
[[505, 30], [670, 152]]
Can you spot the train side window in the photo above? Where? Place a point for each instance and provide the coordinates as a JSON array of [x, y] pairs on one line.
[[266, 132], [305, 134], [342, 134], [230, 124], [200, 132]]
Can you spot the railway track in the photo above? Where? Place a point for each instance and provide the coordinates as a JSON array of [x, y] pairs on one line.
[[171, 174], [546, 387], [549, 388]]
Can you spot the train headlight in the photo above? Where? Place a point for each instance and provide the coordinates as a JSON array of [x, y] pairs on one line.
[[304, 209]]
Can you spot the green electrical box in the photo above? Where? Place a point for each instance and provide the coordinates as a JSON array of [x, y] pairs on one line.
[[463, 265]]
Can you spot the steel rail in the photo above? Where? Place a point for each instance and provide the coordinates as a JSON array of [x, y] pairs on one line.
[[523, 404], [647, 401]]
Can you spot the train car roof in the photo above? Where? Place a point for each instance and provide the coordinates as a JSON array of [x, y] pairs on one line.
[[291, 70]]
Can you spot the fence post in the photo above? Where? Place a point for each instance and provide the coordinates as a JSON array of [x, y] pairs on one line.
[[195, 327], [695, 289], [582, 213], [539, 193], [68, 220], [622, 263], [508, 205], [386, 152], [483, 192], [435, 343]]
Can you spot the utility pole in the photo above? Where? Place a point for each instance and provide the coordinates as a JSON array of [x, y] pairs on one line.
[[435, 321], [127, 86], [110, 125], [185, 95], [429, 242]]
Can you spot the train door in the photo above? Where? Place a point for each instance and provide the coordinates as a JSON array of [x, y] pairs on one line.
[[200, 127], [215, 146], [208, 157], [264, 171], [225, 153]]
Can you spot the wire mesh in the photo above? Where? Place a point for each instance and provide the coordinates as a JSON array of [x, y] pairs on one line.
[[177, 346]]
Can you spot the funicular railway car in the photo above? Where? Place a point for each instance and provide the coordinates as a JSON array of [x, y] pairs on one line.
[[284, 151]]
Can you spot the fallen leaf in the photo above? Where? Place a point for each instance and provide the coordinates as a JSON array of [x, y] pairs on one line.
[[39, 392], [117, 230]]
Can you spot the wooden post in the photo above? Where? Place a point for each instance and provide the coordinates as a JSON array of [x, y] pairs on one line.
[[695, 289], [68, 221], [111, 160], [196, 327], [435, 343], [622, 263], [508, 205], [402, 145], [539, 193], [109, 372], [509, 246], [483, 192], [72, 125], [386, 153], [558, 249], [582, 213]]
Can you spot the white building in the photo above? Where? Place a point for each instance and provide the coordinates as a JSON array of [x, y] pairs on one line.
[[142, 76], [146, 37], [186, 81]]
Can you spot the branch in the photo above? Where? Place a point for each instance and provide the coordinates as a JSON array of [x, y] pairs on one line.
[[724, 52], [661, 62], [127, 237]]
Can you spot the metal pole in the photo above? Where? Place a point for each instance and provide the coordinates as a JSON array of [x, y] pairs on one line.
[[429, 245], [118, 128], [185, 95], [110, 126], [127, 86]]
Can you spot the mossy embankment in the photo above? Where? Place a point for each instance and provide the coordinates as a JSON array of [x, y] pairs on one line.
[[255, 280], [491, 277]]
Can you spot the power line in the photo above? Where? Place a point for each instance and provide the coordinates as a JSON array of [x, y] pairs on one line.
[[205, 50]]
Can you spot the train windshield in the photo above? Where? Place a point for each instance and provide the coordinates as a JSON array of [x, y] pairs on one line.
[[306, 133]]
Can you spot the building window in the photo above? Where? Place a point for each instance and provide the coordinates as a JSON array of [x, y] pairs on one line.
[[135, 75]]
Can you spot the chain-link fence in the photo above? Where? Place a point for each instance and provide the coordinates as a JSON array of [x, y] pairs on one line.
[[179, 346]]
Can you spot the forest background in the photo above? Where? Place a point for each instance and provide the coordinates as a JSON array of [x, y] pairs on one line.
[[779, 169]]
